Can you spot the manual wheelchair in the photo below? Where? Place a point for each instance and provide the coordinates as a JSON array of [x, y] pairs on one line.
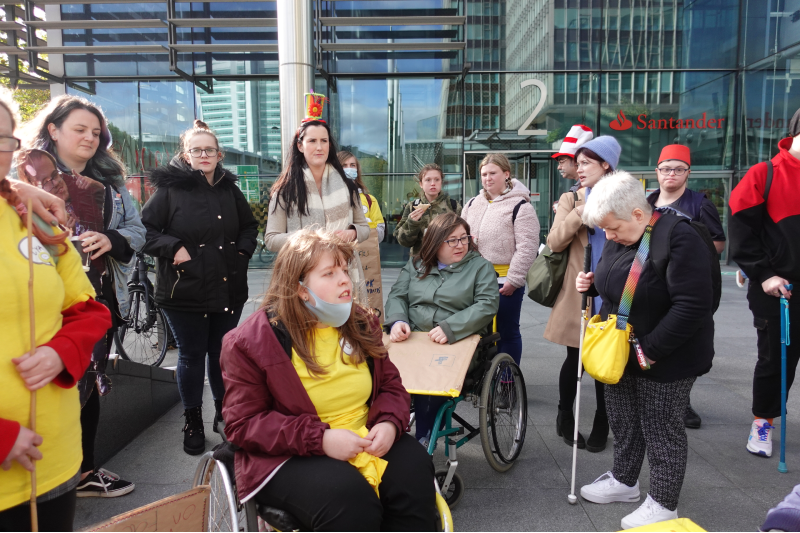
[[495, 385], [227, 513]]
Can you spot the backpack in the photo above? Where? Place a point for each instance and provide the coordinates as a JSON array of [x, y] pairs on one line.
[[545, 278], [513, 214], [659, 253], [453, 204]]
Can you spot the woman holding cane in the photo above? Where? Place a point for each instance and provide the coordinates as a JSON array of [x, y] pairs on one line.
[[68, 324]]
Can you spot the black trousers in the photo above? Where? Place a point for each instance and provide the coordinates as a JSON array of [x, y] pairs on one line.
[[54, 515], [767, 374], [647, 416], [90, 419], [568, 384], [325, 494]]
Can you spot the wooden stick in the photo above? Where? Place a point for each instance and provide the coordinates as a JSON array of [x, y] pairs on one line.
[[32, 318]]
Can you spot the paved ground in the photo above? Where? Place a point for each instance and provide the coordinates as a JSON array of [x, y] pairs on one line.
[[726, 488]]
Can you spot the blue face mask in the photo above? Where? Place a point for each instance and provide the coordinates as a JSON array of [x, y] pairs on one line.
[[351, 173], [333, 315]]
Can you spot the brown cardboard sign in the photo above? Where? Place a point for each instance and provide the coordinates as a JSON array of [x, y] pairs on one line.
[[370, 255], [430, 368], [187, 511]]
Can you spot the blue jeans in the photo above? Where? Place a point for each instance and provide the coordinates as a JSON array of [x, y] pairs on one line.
[[508, 324], [196, 335], [425, 409]]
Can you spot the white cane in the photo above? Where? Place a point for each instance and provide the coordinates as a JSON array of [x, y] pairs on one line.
[[586, 304]]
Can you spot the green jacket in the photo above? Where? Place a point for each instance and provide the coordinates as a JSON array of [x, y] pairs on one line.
[[462, 298], [409, 232]]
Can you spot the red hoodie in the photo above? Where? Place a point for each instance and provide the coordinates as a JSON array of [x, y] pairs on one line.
[[267, 411], [765, 236]]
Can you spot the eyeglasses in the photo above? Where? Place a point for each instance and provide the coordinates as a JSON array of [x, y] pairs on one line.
[[197, 152], [9, 144], [677, 171], [455, 242]]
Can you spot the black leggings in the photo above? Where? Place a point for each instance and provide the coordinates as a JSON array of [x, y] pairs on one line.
[[568, 384], [90, 418], [54, 515], [325, 494]]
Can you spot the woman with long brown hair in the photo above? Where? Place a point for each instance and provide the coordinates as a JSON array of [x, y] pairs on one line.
[[316, 406], [448, 290], [369, 204], [74, 131], [68, 322]]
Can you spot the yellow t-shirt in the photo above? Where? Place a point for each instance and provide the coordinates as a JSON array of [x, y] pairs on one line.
[[340, 397], [502, 270], [56, 288], [373, 214]]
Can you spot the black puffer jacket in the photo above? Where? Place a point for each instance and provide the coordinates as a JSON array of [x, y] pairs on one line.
[[214, 224], [672, 318]]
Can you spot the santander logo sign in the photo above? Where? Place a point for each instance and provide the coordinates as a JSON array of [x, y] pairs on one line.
[[622, 123]]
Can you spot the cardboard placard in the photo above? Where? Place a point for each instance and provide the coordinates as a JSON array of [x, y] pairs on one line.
[[370, 255], [187, 511], [430, 368]]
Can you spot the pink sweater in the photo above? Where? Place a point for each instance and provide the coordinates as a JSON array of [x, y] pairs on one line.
[[501, 241]]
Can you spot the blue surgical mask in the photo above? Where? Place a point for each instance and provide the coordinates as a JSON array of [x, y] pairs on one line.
[[333, 315], [351, 173]]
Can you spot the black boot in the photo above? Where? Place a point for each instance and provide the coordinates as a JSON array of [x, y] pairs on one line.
[[565, 427], [691, 419], [218, 421], [599, 435], [194, 434]]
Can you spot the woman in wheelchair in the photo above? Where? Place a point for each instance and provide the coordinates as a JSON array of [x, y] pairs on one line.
[[448, 290], [317, 408]]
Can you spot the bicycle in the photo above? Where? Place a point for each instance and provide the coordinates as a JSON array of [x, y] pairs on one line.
[[144, 336], [264, 255]]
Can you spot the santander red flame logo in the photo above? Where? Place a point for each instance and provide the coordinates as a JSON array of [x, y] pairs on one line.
[[621, 123]]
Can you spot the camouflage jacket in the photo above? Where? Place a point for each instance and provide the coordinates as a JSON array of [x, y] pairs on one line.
[[409, 232]]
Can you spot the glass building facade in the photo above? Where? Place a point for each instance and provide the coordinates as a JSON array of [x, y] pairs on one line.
[[443, 81]]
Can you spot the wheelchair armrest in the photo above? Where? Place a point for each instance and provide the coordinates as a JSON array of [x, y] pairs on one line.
[[489, 339], [278, 518]]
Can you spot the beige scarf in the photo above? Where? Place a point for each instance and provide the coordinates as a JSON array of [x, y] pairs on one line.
[[331, 210]]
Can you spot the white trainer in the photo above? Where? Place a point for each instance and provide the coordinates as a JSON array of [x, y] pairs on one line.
[[760, 440], [606, 489], [649, 512]]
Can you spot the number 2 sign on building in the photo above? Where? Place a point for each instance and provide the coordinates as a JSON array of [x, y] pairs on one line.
[[523, 130]]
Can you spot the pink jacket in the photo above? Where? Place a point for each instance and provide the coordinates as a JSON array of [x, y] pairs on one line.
[[500, 240], [268, 413]]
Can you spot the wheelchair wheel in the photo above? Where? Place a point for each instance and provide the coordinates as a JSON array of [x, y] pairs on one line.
[[225, 513], [503, 413], [454, 492]]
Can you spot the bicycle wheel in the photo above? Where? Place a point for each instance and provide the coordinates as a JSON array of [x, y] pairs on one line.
[[143, 337], [503, 413]]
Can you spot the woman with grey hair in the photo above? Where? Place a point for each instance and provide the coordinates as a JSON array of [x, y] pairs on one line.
[[672, 321]]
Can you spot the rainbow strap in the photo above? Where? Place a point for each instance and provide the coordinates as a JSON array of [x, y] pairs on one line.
[[626, 301]]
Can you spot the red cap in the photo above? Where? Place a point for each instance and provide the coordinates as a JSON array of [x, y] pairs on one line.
[[676, 151]]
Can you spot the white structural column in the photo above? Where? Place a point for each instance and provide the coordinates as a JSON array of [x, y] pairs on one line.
[[296, 69]]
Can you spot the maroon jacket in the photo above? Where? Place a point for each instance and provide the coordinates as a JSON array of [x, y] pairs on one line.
[[267, 411]]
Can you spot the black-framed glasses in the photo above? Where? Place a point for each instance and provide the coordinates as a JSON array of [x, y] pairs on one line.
[[197, 152], [677, 171], [9, 144], [455, 242]]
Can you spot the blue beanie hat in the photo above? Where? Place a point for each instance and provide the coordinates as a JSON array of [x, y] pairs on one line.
[[606, 147]]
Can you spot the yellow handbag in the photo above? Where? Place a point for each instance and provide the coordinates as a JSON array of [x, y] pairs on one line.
[[605, 349], [606, 345]]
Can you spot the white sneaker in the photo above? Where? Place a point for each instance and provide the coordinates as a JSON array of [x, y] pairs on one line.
[[760, 440], [649, 512], [740, 279], [606, 489]]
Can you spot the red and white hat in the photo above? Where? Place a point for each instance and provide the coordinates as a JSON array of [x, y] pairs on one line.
[[576, 137]]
